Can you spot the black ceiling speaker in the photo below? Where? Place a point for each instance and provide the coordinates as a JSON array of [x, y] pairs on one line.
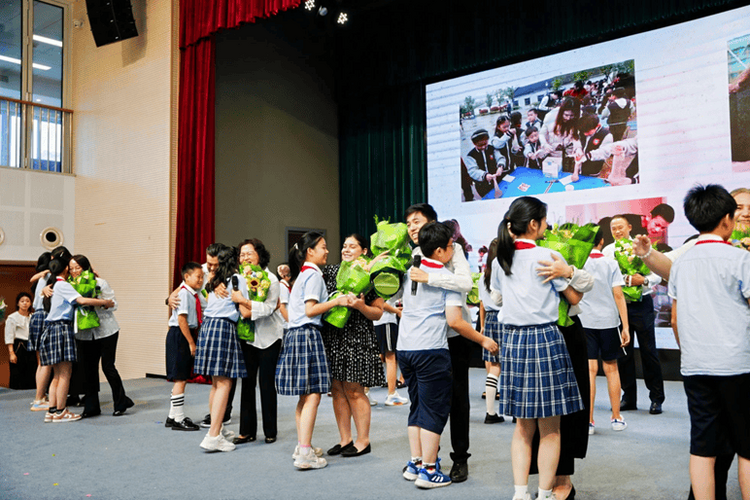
[[111, 21]]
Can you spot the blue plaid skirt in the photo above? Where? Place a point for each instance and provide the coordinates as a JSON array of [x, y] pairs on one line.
[[537, 379], [302, 367], [57, 343], [36, 327], [218, 352], [492, 330]]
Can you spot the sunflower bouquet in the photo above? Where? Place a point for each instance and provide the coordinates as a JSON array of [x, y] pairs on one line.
[[85, 284], [630, 265], [740, 238], [352, 278], [258, 285], [392, 240], [472, 298]]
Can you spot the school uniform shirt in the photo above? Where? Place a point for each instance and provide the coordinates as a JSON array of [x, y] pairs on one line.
[[16, 327], [484, 294], [62, 304], [38, 303], [187, 307], [711, 284], [389, 317], [423, 323], [108, 325], [308, 286], [677, 252], [267, 318], [598, 308], [653, 278], [284, 292], [526, 300], [225, 308]]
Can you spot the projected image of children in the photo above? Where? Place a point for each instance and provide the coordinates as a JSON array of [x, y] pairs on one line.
[[738, 55], [570, 132]]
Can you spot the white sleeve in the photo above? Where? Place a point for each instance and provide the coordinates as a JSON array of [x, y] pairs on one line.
[[106, 293], [460, 280], [268, 306]]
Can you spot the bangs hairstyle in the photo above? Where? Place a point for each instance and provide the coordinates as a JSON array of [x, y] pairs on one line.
[[491, 254], [22, 295], [363, 243], [227, 267], [424, 208], [298, 253], [521, 212], [82, 261], [706, 206], [436, 235], [189, 267], [264, 256]]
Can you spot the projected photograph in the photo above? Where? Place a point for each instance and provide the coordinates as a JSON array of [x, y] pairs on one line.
[[738, 56], [571, 132]]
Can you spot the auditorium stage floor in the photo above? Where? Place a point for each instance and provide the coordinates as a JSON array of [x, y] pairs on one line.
[[135, 457]]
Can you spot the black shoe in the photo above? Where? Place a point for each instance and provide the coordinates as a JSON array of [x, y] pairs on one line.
[[185, 425], [336, 450], [91, 413], [169, 422], [400, 385], [626, 405], [493, 419], [515, 420], [352, 451], [655, 409], [118, 413], [459, 472], [243, 440], [270, 440], [206, 422]]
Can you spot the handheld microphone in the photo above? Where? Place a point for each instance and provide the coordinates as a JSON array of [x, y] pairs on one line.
[[235, 282], [416, 263]]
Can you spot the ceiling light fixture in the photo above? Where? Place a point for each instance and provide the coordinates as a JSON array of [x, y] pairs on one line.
[[343, 18], [310, 4], [48, 41], [18, 61], [322, 11]]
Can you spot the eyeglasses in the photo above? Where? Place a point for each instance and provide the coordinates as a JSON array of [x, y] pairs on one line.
[[248, 254]]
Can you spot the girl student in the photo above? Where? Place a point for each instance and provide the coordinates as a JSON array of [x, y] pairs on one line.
[[537, 384], [303, 368], [57, 346], [489, 311], [22, 361], [218, 352], [36, 326]]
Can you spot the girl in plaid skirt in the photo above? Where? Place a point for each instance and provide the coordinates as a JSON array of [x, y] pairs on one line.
[[36, 326], [489, 312], [303, 368], [537, 384]]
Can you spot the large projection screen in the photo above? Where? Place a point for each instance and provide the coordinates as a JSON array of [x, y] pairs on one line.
[[687, 122]]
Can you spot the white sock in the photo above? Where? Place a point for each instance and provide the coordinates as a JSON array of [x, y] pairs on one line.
[[490, 387], [521, 491], [176, 404], [416, 460], [545, 494]]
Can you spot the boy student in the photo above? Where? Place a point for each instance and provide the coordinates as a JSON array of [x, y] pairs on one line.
[[424, 357], [602, 312], [534, 120], [533, 150], [180, 351], [480, 162], [710, 288], [592, 136], [460, 348]]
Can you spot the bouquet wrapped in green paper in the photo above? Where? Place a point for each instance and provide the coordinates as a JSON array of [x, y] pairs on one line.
[[472, 298], [3, 307], [85, 284], [630, 264], [351, 278], [258, 285], [740, 238], [387, 272]]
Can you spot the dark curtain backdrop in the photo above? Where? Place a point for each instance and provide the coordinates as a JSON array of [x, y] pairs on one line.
[[386, 58], [199, 21]]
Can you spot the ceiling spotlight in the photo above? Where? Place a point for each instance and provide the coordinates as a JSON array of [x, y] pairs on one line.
[[343, 18], [310, 4], [322, 11]]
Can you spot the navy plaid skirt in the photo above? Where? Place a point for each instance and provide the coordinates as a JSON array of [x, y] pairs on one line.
[[36, 327], [302, 367], [537, 379], [218, 352], [57, 343], [492, 330]]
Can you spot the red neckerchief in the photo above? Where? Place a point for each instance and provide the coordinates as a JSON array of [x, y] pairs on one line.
[[712, 241], [198, 310], [596, 255], [305, 267], [286, 285], [431, 265], [523, 245]]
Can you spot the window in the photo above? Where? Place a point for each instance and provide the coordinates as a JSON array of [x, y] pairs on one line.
[[34, 124], [527, 101]]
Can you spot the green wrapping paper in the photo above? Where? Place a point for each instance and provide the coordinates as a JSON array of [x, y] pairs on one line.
[[258, 285], [85, 284], [472, 298], [740, 238], [351, 278], [386, 274], [630, 264]]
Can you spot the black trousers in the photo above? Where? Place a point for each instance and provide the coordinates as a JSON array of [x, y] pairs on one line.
[[460, 349], [261, 370], [23, 372], [641, 318], [90, 352]]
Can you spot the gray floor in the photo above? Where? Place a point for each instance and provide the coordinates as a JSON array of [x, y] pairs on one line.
[[134, 456]]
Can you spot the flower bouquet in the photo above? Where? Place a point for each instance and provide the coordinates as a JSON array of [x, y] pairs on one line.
[[472, 298], [3, 307], [740, 238], [630, 264], [351, 278], [85, 284], [386, 272], [258, 285]]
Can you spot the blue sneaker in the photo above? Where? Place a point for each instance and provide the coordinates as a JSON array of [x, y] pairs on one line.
[[411, 471], [434, 479]]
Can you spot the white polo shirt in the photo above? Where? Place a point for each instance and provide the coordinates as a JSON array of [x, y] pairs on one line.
[[598, 307], [187, 307], [484, 295], [308, 286], [225, 308], [62, 304]]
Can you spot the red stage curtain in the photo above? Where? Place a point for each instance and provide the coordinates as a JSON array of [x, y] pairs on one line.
[[199, 21]]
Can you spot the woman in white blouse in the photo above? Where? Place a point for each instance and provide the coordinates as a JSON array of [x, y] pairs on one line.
[[22, 361], [99, 343]]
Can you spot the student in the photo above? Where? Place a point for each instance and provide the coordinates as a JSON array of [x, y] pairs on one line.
[[602, 312], [618, 112], [537, 384], [592, 136], [489, 312], [303, 369], [386, 329], [533, 151], [534, 120], [710, 288], [57, 343], [36, 326], [218, 352], [285, 288], [503, 143], [481, 164], [22, 361], [424, 357], [180, 349]]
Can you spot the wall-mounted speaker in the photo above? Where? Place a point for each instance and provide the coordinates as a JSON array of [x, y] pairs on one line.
[[51, 238], [111, 20]]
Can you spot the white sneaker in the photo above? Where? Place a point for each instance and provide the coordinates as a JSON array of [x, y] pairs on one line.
[[527, 496], [310, 461], [227, 433], [618, 424], [217, 443], [592, 428], [373, 402], [318, 452], [395, 399]]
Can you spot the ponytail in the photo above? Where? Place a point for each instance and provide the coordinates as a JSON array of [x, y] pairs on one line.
[[505, 247], [516, 222], [298, 253], [56, 267], [491, 254]]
